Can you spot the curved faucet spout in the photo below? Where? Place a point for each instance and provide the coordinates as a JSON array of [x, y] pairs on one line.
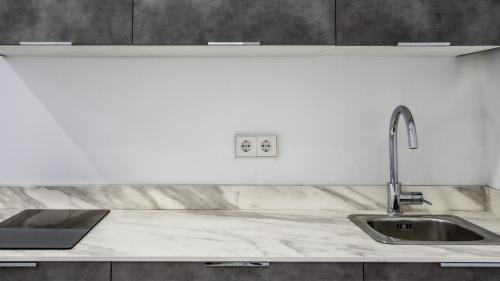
[[394, 195], [393, 138]]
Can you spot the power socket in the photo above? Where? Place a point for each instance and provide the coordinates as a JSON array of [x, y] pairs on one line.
[[245, 146], [267, 146], [255, 146]]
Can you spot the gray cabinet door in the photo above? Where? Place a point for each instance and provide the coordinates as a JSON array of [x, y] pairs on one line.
[[316, 271], [158, 271], [270, 22], [58, 271], [427, 272], [387, 22], [83, 22]]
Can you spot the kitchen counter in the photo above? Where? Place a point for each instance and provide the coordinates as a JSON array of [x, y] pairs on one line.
[[253, 235]]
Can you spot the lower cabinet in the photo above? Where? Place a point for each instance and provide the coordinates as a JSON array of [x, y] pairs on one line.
[[55, 271], [276, 271], [427, 272], [185, 271]]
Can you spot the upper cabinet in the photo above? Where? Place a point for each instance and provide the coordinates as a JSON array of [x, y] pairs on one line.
[[82, 22], [312, 26], [270, 22], [387, 22]]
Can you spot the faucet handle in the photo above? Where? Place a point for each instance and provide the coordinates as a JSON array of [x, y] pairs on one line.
[[418, 198], [413, 198]]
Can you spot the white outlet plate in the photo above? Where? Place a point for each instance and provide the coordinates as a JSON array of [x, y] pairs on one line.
[[245, 146], [267, 146]]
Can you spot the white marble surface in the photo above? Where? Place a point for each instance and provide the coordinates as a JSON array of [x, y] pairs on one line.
[[228, 235], [225, 197]]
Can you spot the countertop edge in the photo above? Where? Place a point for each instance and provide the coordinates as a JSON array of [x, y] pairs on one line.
[[253, 259]]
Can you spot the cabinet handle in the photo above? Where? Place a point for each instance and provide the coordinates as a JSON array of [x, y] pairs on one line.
[[233, 43], [45, 43], [237, 264], [17, 264], [470, 264], [423, 44]]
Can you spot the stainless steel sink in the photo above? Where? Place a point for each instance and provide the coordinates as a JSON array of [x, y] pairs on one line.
[[423, 229]]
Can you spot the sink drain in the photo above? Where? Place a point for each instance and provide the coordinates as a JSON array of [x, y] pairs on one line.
[[404, 226]]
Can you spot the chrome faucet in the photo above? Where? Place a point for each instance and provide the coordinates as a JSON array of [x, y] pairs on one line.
[[395, 197]]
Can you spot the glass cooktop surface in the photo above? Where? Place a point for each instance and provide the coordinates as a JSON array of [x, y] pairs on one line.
[[48, 229]]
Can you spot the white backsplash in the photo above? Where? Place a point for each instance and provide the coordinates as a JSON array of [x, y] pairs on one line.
[[173, 120]]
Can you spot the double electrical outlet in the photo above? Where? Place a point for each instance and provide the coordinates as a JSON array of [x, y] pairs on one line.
[[256, 146]]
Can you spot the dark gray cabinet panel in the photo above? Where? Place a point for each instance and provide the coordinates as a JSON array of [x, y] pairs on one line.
[[271, 22], [58, 271], [83, 22], [427, 272], [157, 271], [387, 22], [316, 271]]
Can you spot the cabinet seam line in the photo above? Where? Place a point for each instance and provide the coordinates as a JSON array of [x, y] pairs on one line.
[[132, 33], [335, 21]]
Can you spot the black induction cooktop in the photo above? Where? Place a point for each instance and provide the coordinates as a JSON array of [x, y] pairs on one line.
[[48, 229]]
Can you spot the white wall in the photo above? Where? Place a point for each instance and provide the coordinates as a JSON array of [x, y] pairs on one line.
[[488, 70], [172, 120]]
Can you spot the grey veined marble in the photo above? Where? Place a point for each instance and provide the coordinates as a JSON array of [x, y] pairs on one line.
[[225, 197], [249, 235], [247, 223]]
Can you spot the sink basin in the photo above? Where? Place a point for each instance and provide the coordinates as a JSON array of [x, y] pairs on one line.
[[423, 229]]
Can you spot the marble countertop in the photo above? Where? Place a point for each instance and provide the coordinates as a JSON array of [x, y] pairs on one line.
[[252, 235]]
